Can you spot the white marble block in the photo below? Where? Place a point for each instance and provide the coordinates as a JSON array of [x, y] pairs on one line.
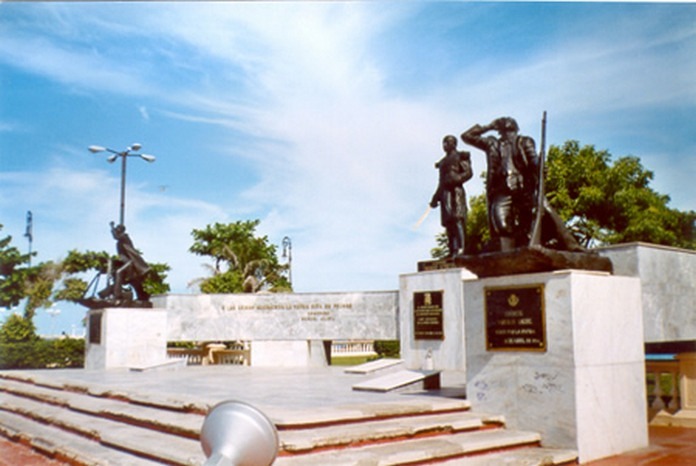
[[450, 352], [586, 391], [125, 337]]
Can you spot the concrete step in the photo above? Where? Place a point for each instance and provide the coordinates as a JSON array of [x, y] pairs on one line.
[[344, 435], [123, 408], [90, 424], [64, 446], [123, 435], [417, 451], [365, 412]]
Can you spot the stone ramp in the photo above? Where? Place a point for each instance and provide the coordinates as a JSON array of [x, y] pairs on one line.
[[91, 425], [403, 380]]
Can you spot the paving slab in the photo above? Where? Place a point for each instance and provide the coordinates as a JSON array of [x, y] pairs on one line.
[[201, 387], [374, 366], [518, 457]]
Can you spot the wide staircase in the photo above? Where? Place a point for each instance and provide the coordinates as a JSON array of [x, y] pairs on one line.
[[81, 426]]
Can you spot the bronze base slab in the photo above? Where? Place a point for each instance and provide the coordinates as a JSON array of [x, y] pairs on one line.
[[534, 259]]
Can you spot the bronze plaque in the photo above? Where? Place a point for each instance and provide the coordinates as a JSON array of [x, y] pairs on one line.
[[427, 315], [515, 319], [95, 321]]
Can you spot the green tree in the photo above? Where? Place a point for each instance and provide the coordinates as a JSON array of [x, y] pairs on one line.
[[20, 281], [14, 271], [17, 329], [74, 287], [605, 202], [242, 262]]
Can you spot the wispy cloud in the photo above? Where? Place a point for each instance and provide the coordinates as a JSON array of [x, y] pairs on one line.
[[84, 68]]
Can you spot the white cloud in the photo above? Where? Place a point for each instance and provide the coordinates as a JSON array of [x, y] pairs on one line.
[[345, 164], [85, 68], [144, 113]]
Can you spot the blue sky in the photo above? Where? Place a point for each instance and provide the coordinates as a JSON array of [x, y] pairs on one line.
[[321, 119]]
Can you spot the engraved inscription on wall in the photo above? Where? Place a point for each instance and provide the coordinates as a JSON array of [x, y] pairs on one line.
[[515, 319], [428, 315], [312, 312]]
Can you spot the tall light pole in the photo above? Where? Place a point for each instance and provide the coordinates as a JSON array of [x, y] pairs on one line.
[[29, 232], [287, 253], [124, 155]]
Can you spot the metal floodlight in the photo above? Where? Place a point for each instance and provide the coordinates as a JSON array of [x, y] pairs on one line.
[[237, 434], [124, 156]]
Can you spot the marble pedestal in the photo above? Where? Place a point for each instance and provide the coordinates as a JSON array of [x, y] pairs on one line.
[[448, 353], [586, 391], [125, 337]]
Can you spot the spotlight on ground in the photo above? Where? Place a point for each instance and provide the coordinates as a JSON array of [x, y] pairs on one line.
[[237, 434]]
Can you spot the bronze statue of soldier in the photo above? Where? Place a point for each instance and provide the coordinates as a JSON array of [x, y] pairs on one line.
[[513, 184], [454, 170], [130, 270]]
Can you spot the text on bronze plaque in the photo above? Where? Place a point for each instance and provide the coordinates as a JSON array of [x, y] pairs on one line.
[[515, 319], [428, 315]]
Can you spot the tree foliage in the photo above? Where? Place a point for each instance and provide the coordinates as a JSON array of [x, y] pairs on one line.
[[14, 272], [242, 261], [17, 329], [76, 264], [602, 202], [609, 203]]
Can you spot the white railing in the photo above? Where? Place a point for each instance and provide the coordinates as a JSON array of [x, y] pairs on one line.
[[238, 353], [663, 372], [353, 348]]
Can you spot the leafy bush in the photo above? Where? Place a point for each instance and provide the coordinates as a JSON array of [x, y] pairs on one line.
[[42, 354], [388, 348]]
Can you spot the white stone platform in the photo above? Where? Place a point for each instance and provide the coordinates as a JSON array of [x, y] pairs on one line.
[[587, 390], [450, 352], [125, 337]]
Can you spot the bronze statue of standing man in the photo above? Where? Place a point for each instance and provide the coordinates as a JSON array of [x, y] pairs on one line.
[[512, 189], [455, 170], [512, 180]]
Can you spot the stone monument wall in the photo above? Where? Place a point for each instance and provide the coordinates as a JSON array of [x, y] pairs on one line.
[[281, 316], [667, 277]]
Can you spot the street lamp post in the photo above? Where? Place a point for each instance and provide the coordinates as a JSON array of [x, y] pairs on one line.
[[124, 155], [287, 253]]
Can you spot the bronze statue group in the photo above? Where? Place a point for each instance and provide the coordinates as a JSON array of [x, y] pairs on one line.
[[518, 214]]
